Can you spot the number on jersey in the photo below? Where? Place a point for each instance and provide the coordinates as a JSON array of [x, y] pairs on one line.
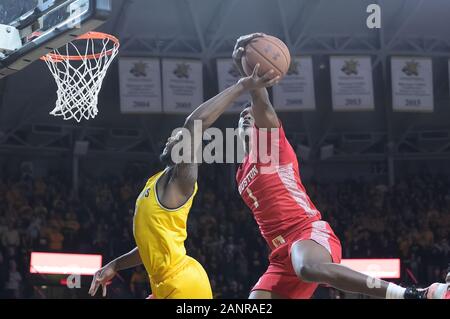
[[250, 194]]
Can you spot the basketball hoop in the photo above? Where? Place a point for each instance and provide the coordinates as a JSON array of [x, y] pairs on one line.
[[79, 73]]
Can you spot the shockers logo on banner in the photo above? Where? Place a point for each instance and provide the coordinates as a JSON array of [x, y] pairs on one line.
[[412, 84]]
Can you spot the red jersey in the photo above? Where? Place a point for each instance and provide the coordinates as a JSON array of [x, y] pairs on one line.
[[273, 190]]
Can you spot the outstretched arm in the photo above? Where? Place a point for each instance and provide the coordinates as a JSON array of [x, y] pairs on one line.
[[184, 175], [263, 111], [107, 272]]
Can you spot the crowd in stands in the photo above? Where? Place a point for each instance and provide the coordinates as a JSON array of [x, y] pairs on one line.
[[410, 221]]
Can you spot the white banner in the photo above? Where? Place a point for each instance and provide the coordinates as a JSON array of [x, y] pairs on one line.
[[182, 85], [295, 92], [352, 83], [228, 75], [412, 84], [140, 85]]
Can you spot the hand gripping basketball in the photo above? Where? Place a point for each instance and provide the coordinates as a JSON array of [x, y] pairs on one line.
[[266, 50], [239, 49]]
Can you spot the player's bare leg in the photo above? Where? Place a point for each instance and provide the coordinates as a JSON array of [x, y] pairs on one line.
[[264, 294], [313, 263]]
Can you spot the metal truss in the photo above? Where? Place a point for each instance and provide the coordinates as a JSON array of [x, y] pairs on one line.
[[139, 142], [373, 145], [58, 140]]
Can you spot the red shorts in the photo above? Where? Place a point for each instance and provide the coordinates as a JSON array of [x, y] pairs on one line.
[[280, 277]]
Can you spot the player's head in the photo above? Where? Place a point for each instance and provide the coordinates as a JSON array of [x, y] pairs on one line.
[[166, 155], [246, 121]]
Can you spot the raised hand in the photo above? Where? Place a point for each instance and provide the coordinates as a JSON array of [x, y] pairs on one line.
[[256, 82]]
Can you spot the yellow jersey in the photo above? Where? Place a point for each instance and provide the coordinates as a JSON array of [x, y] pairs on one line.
[[160, 232]]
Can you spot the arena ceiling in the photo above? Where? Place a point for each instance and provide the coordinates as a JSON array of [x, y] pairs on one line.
[[207, 29]]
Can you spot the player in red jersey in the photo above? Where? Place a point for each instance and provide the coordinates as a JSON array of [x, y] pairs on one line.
[[304, 249]]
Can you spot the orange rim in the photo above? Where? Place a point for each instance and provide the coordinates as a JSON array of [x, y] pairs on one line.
[[90, 35]]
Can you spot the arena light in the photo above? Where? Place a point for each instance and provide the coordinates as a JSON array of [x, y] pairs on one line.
[[64, 264], [378, 268]]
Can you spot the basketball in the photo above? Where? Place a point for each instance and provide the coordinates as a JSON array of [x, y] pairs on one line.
[[270, 52]]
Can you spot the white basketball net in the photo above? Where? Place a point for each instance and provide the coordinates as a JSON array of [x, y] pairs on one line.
[[79, 81]]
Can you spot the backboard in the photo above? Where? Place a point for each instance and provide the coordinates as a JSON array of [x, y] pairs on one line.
[[30, 29]]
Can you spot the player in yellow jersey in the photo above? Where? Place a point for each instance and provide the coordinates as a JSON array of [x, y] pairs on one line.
[[163, 206]]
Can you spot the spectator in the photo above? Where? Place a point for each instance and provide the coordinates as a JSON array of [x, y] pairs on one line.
[[55, 239], [13, 283], [70, 230], [139, 283], [10, 237]]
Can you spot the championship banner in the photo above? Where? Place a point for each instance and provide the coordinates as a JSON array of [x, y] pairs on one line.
[[140, 85], [412, 84], [182, 85], [352, 83], [295, 92], [227, 75]]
